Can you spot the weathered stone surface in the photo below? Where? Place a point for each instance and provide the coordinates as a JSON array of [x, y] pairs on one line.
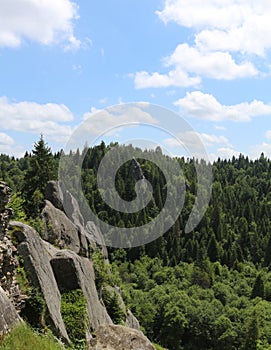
[[37, 254], [135, 170], [8, 313], [59, 231], [52, 194], [54, 271], [8, 268], [87, 232], [72, 272], [5, 213], [115, 337]]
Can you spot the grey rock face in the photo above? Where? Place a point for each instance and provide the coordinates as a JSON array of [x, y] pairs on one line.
[[8, 313], [59, 231], [72, 272], [54, 271], [87, 232], [135, 170], [115, 337], [37, 254], [52, 194]]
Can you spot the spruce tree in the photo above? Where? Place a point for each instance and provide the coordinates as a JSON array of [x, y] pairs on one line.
[[258, 288], [41, 170]]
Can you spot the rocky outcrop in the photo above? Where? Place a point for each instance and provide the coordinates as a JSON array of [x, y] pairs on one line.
[[59, 230], [5, 213], [8, 313], [135, 170], [52, 194], [8, 268], [54, 271], [115, 337], [58, 262], [67, 229], [10, 294]]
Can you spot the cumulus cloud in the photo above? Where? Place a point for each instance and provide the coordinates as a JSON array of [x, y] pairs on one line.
[[6, 139], [256, 150], [32, 117], [189, 65], [224, 153], [190, 139], [228, 35], [176, 77], [46, 22], [230, 25], [116, 116], [206, 106]]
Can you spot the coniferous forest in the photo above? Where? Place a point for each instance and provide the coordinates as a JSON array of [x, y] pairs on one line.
[[208, 289]]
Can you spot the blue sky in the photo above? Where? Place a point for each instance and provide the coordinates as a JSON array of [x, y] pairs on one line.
[[208, 61]]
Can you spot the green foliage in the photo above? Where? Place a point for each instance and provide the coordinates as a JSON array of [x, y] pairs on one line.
[[112, 304], [74, 314], [17, 204], [22, 337], [34, 309]]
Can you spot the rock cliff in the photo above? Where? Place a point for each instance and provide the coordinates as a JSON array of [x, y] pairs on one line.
[[58, 261]]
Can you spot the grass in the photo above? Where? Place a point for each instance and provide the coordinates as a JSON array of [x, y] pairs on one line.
[[22, 337]]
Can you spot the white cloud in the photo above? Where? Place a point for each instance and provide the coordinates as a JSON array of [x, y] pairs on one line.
[[227, 36], [224, 153], [5, 139], [268, 134], [46, 22], [31, 117], [256, 150], [228, 25], [116, 116], [205, 106], [190, 139], [215, 65], [176, 77]]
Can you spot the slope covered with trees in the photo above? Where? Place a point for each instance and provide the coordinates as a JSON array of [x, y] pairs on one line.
[[207, 289]]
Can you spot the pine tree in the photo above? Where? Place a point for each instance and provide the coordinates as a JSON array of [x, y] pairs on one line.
[[41, 170], [258, 288]]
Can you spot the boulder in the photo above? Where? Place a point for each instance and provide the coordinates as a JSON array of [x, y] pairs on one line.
[[8, 313], [114, 337]]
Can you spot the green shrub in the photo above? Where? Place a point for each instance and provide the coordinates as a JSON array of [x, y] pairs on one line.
[[74, 314], [34, 309]]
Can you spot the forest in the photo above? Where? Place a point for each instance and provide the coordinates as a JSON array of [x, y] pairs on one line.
[[207, 289]]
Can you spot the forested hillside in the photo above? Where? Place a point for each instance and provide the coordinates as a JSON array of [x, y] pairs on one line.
[[208, 289]]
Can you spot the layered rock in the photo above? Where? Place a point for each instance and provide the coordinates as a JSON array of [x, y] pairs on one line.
[[11, 297], [5, 213], [114, 337], [68, 228], [54, 271]]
